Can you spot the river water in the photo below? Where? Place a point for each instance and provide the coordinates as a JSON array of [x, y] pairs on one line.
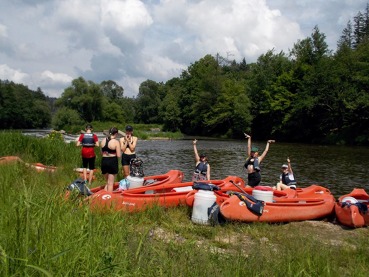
[[339, 168]]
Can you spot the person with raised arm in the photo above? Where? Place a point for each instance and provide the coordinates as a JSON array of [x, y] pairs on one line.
[[202, 167], [253, 162], [286, 179]]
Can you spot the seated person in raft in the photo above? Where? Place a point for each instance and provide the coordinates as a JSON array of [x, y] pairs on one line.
[[286, 179]]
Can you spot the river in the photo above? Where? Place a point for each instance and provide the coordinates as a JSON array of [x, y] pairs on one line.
[[339, 168]]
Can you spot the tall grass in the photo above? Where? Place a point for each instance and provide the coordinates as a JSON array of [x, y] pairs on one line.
[[42, 234]]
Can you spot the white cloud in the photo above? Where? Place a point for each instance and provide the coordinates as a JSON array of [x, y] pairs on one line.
[[15, 75], [47, 44], [61, 78]]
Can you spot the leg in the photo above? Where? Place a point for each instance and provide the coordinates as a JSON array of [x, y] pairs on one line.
[[110, 184], [85, 174], [85, 166], [90, 176], [91, 167], [125, 171]]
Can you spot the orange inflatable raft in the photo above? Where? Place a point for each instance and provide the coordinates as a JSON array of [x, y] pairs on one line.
[[223, 194], [39, 167], [309, 203], [172, 176], [137, 199], [352, 209]]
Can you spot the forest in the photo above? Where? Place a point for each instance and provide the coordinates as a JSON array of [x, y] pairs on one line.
[[310, 94]]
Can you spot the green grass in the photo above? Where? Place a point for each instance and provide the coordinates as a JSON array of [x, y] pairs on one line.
[[42, 234], [142, 131]]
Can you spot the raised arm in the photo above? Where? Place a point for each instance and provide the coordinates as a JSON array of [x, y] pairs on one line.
[[265, 150], [289, 165], [197, 157], [248, 137]]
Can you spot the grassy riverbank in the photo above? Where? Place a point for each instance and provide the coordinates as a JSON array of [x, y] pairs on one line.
[[42, 234], [142, 131]]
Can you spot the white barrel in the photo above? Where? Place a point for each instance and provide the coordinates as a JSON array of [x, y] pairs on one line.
[[135, 182], [266, 196], [204, 199]]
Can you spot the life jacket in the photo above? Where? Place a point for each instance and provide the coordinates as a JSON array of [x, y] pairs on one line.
[[288, 179], [201, 168], [254, 162], [88, 140]]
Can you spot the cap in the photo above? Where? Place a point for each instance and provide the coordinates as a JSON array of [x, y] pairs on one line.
[[88, 126], [284, 166], [202, 155], [254, 149], [129, 128]]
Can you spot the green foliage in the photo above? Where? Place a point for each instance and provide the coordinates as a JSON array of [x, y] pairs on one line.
[[21, 107], [65, 118], [84, 97], [55, 135], [148, 102]]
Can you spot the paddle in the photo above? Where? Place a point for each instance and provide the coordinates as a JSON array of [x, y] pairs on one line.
[[257, 207]]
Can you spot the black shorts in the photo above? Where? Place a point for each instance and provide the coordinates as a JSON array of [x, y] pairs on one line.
[[88, 163], [109, 165], [126, 159], [254, 179]]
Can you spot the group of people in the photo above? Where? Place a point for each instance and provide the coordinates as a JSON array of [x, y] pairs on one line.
[[252, 166], [112, 150]]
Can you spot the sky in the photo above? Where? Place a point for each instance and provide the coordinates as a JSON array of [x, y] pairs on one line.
[[48, 43]]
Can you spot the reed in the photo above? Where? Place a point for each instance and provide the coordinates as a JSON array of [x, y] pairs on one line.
[[44, 234]]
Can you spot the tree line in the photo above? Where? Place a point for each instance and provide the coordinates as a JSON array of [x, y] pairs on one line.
[[307, 95]]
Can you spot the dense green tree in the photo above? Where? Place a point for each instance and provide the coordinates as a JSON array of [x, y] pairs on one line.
[[112, 90], [66, 117], [202, 82], [230, 116], [170, 111], [22, 108], [148, 102], [85, 97], [263, 75]]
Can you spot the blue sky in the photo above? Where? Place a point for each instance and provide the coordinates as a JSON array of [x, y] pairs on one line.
[[48, 43]]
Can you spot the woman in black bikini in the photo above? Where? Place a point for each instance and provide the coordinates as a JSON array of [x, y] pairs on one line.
[[110, 149]]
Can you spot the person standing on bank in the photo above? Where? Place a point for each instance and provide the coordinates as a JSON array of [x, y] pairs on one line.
[[202, 170], [110, 150], [253, 162], [128, 146], [286, 179], [88, 141]]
